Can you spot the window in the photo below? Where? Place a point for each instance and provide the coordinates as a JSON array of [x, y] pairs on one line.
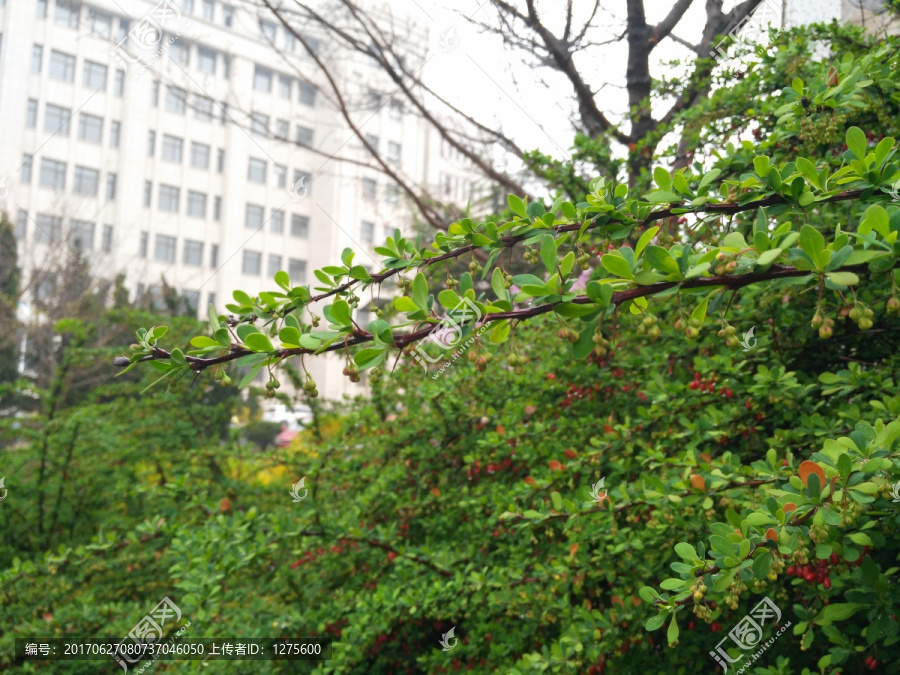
[[81, 235], [119, 85], [192, 253], [386, 232], [227, 17], [224, 116], [199, 155], [196, 205], [115, 133], [169, 198], [41, 9], [226, 65], [87, 181], [282, 129], [217, 208], [106, 241], [206, 60], [94, 75], [372, 140], [176, 100], [252, 262], [277, 222], [220, 161], [53, 174], [27, 162], [209, 9], [145, 237], [21, 224], [111, 180], [370, 188], [256, 171], [44, 287], [392, 193], [56, 119], [31, 115], [148, 193], [313, 44], [187, 6], [180, 52], [48, 229], [165, 248], [280, 176], [373, 100], [100, 23], [304, 136], [203, 108], [307, 93], [66, 14], [393, 151], [259, 124], [396, 109], [274, 264], [254, 216], [151, 143], [302, 179], [266, 30], [300, 226], [37, 58], [90, 128], [262, 79], [154, 93], [214, 256], [172, 148], [367, 232], [124, 25], [290, 42], [297, 270], [284, 86]]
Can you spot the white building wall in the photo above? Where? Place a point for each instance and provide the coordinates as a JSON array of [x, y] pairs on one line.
[[336, 204]]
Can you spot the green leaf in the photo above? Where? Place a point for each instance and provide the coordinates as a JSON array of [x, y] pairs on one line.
[[517, 206], [548, 253], [449, 299], [663, 178], [498, 284], [202, 342], [660, 259], [685, 551], [567, 264], [573, 311], [259, 342], [843, 278], [420, 291], [699, 312], [761, 165], [856, 142], [405, 304], [839, 611], [616, 265], [645, 239], [340, 312], [769, 256], [813, 244], [290, 335], [662, 197], [556, 499], [648, 594], [655, 622], [369, 357], [672, 633]]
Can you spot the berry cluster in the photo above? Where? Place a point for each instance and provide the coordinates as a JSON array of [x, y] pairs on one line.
[[814, 573], [473, 472], [862, 316], [351, 371], [727, 263], [648, 326], [824, 324], [309, 387], [710, 387]]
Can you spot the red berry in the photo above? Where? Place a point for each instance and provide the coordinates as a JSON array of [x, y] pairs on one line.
[[827, 582]]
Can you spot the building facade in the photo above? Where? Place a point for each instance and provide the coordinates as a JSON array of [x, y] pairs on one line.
[[195, 142]]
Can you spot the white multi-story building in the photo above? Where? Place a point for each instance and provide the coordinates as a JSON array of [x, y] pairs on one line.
[[210, 165]]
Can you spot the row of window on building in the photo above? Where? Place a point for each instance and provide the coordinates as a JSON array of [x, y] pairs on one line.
[[58, 121], [165, 250], [53, 176], [62, 67], [48, 229]]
